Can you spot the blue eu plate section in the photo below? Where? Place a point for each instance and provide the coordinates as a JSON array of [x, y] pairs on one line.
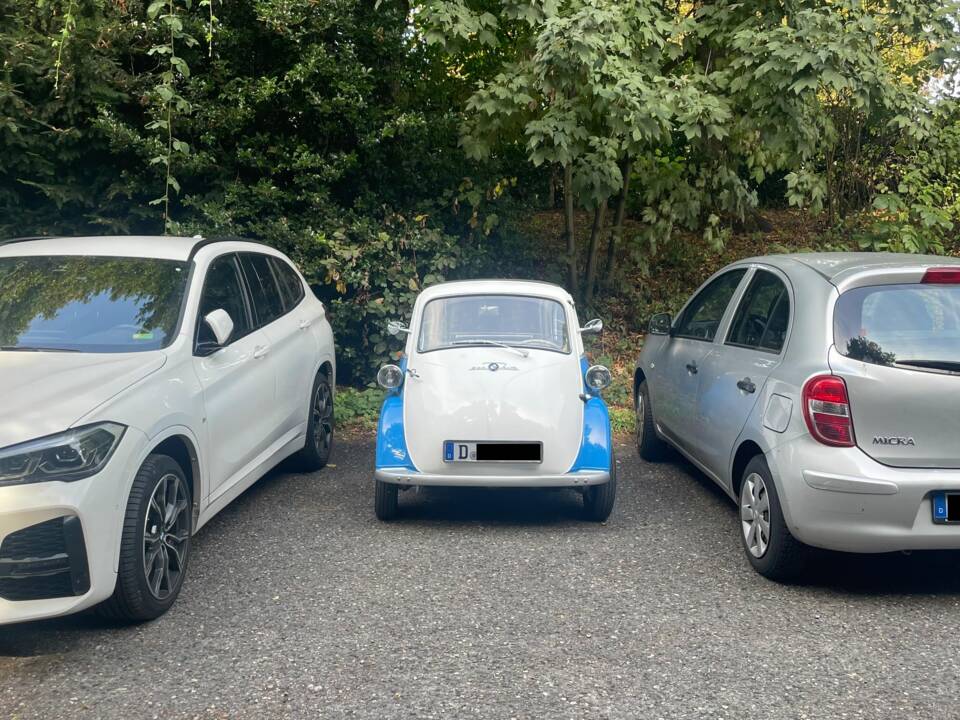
[[940, 511], [448, 451]]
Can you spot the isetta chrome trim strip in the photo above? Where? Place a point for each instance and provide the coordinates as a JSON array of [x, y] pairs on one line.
[[402, 476]]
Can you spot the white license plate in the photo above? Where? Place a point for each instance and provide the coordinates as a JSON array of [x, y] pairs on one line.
[[518, 452]]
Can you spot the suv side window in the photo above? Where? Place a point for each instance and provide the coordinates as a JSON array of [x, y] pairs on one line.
[[223, 290], [290, 285], [763, 316], [263, 286], [702, 317]]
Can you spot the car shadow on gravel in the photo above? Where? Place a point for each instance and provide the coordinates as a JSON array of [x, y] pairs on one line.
[[491, 506], [931, 572]]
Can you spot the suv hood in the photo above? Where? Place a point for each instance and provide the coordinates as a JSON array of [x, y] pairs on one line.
[[46, 393]]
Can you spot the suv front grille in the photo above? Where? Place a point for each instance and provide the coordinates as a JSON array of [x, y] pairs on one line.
[[44, 561]]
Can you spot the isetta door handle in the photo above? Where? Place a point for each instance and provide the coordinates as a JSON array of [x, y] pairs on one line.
[[692, 368], [304, 324], [261, 351], [746, 385]]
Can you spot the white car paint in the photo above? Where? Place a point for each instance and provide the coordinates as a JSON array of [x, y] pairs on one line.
[[240, 411]]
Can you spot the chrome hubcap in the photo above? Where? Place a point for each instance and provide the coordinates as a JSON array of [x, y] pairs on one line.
[[755, 514], [166, 531], [323, 420]]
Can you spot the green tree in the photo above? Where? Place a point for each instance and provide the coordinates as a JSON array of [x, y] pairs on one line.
[[700, 100]]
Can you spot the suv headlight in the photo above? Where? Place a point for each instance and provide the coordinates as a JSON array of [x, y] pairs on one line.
[[598, 377], [68, 456]]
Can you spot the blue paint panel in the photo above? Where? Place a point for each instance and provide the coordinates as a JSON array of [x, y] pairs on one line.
[[940, 507], [391, 439], [596, 446]]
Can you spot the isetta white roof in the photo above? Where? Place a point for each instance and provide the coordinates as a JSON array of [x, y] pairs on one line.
[[534, 288]]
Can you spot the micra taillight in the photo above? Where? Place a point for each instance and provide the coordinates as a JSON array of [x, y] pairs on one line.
[[826, 408], [942, 276]]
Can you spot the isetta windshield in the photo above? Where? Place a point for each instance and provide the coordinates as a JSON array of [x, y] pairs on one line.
[[514, 320]]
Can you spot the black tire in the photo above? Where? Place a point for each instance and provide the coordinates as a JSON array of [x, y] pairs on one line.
[[386, 503], [785, 558], [134, 598], [598, 500], [649, 444], [319, 443]]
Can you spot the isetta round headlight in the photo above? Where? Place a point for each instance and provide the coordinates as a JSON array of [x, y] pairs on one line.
[[390, 377], [598, 377]]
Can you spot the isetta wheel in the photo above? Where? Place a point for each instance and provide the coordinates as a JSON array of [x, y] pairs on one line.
[[386, 503], [598, 500]]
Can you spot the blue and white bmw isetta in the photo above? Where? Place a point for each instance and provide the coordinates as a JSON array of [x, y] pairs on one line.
[[494, 390]]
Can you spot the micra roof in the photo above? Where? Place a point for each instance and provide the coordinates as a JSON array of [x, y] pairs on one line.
[[146, 246], [534, 288], [838, 266]]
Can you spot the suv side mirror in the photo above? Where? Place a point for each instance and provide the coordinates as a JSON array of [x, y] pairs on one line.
[[594, 327], [396, 328], [220, 324], [660, 324]]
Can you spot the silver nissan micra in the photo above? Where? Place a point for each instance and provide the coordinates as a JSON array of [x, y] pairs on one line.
[[822, 393]]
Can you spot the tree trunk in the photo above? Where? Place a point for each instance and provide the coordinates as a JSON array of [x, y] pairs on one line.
[[590, 280], [568, 221], [616, 232], [552, 190]]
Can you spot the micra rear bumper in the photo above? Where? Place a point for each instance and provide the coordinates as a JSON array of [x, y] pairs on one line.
[[407, 477]]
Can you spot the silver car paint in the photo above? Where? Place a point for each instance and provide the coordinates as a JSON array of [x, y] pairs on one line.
[[839, 498]]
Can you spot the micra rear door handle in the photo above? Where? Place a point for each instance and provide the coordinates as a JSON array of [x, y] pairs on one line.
[[746, 385]]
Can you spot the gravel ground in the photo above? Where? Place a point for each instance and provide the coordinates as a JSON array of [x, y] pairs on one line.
[[501, 604]]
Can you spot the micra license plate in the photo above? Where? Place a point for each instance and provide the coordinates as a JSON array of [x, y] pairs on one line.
[[946, 507], [462, 451]]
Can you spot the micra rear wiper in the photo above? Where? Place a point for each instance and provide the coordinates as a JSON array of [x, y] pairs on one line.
[[25, 348], [948, 365]]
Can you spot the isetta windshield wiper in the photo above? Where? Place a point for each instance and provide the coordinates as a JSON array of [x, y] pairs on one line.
[[484, 341]]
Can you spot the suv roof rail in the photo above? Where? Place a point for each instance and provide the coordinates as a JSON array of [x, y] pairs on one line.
[[11, 241]]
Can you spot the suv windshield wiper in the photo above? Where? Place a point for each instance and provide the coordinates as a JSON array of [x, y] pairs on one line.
[[484, 341], [949, 365], [27, 348]]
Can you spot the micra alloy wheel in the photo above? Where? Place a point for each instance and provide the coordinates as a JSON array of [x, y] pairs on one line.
[[155, 546]]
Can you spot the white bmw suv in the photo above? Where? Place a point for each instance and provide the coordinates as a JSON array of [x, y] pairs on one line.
[[146, 382]]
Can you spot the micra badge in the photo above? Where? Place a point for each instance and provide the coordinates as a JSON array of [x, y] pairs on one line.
[[894, 440]]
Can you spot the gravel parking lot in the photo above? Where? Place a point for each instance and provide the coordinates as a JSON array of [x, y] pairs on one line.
[[501, 604]]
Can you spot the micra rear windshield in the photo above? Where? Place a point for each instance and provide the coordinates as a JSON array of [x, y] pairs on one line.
[[914, 326]]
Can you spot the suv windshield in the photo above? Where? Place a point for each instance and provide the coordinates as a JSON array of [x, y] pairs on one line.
[[89, 304], [912, 325], [515, 320]]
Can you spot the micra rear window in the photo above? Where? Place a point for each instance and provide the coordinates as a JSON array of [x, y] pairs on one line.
[[914, 326]]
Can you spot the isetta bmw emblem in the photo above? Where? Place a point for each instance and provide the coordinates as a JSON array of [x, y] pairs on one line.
[[494, 367]]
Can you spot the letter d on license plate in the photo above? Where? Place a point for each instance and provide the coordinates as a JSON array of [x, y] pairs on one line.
[[459, 451]]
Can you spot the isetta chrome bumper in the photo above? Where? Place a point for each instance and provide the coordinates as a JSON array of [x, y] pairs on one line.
[[405, 476]]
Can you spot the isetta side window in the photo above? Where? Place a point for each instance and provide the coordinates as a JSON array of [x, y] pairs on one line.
[[514, 320]]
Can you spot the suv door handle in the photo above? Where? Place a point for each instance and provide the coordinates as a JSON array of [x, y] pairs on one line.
[[261, 351], [692, 368], [746, 385], [304, 324]]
